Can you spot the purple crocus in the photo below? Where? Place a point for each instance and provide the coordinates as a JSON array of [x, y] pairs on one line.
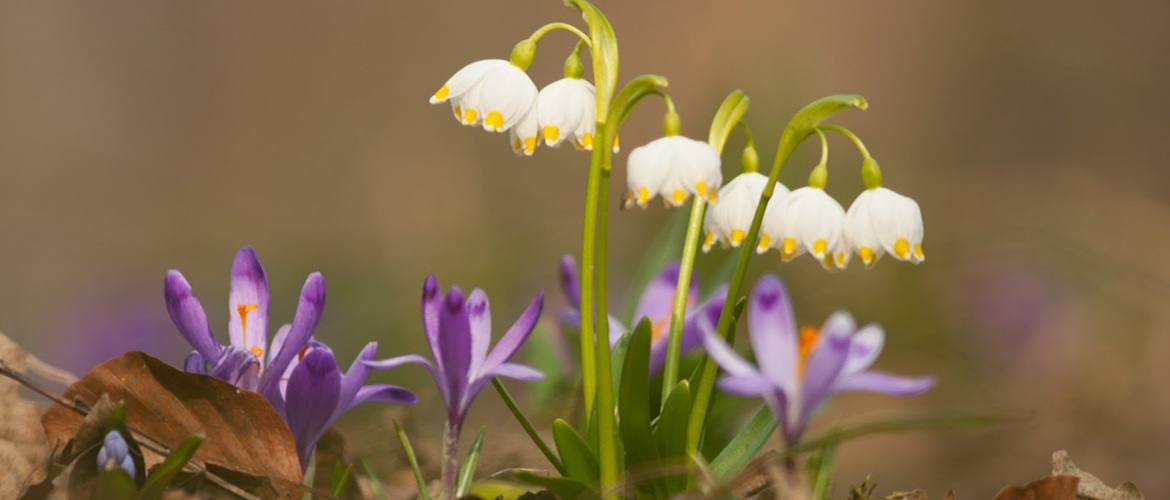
[[656, 303], [802, 372], [458, 330]]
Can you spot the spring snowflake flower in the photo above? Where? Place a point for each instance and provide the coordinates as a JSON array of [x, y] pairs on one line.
[[881, 221], [568, 108], [806, 220], [797, 373], [729, 218], [496, 94], [674, 167]]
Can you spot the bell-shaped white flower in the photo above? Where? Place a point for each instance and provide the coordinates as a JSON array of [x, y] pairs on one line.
[[492, 92], [730, 217], [881, 221], [568, 108], [674, 167], [807, 220], [525, 135]]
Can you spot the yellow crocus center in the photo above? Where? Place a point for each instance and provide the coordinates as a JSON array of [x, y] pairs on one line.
[[808, 340], [902, 248], [442, 92], [494, 120], [258, 352]]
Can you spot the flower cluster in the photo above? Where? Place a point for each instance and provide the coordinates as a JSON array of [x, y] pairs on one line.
[[673, 167]]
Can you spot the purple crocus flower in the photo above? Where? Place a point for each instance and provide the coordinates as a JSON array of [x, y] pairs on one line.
[[246, 362], [656, 303], [458, 330], [802, 372]]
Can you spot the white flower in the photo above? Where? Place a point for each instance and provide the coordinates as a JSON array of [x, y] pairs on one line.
[[491, 92], [881, 221], [673, 166], [568, 107], [524, 135], [807, 220], [730, 217]]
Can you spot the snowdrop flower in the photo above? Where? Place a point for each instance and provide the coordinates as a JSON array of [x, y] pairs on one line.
[[806, 220], [881, 221], [674, 167], [568, 108], [729, 218], [496, 94], [799, 371]]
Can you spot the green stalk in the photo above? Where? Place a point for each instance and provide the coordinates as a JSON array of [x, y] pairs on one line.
[[678, 312], [528, 428], [606, 420], [588, 253], [802, 125]]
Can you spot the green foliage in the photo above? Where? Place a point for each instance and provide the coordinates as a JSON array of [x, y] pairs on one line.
[[580, 461], [729, 114], [375, 483], [634, 407], [563, 487], [340, 478], [467, 473], [744, 445], [162, 476], [668, 433], [418, 477], [115, 484]]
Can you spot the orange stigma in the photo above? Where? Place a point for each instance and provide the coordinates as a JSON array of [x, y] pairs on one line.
[[808, 340], [243, 310]]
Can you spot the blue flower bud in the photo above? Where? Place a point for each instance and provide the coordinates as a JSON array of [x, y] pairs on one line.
[[114, 448]]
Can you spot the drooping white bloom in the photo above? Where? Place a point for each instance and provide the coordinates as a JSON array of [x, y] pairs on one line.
[[674, 167], [568, 107], [730, 217], [881, 221], [493, 93], [807, 220], [524, 136]]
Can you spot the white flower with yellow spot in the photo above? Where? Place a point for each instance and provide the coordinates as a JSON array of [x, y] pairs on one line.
[[730, 217], [568, 108], [493, 93], [674, 167], [808, 220], [881, 221]]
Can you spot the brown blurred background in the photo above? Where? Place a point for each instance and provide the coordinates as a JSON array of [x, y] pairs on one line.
[[141, 136]]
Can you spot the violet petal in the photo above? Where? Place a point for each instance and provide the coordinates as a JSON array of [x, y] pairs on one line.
[[311, 399], [189, 316]]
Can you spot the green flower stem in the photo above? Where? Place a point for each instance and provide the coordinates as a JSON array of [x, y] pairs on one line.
[[588, 254], [800, 127], [528, 428], [871, 175], [606, 420], [544, 30], [678, 312], [819, 177], [852, 137]]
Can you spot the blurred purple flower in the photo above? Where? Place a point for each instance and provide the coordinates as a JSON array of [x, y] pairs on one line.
[[656, 303], [797, 374]]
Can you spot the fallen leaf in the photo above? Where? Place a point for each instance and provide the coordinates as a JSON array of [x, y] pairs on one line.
[[1045, 488], [242, 429], [1091, 488], [907, 495], [23, 448]]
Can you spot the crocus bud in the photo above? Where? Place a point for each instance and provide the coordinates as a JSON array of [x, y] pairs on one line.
[[114, 449]]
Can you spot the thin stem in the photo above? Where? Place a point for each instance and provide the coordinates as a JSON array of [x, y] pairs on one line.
[[747, 135], [450, 467], [606, 420], [588, 256], [824, 148], [528, 428], [544, 30], [678, 312], [852, 137]]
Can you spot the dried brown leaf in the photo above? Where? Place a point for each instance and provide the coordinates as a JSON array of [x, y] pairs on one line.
[[907, 495], [23, 449], [1045, 488], [1091, 488]]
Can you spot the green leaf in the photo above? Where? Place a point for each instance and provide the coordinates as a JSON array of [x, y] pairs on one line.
[[375, 483], [340, 478], [672, 424], [563, 487], [115, 484], [494, 488], [619, 360], [632, 93], [634, 407], [528, 428], [603, 51], [729, 114], [467, 473], [744, 445], [418, 477], [162, 475], [821, 469], [802, 124], [580, 461]]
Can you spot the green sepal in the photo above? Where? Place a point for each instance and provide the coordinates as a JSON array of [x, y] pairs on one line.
[[871, 175], [523, 54], [114, 483], [563, 487], [750, 161], [672, 424], [340, 478], [580, 461], [603, 51], [418, 477], [164, 473], [819, 177], [729, 114], [467, 472], [573, 67], [736, 455]]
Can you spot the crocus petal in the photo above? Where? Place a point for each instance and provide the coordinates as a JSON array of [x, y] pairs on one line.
[[384, 393], [354, 378], [864, 349], [657, 299], [886, 383], [516, 371], [692, 334], [479, 316], [238, 367], [248, 303], [826, 362], [194, 363], [772, 328], [277, 343], [313, 390], [723, 354], [570, 282], [516, 335], [188, 315], [750, 384], [309, 311], [432, 302], [455, 339]]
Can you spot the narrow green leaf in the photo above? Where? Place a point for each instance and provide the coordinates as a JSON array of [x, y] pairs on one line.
[[580, 461], [821, 469], [375, 483], [744, 445], [672, 424], [418, 477], [631, 94], [115, 484], [340, 478], [467, 473], [528, 428], [729, 114], [162, 476], [619, 359], [563, 487], [634, 407]]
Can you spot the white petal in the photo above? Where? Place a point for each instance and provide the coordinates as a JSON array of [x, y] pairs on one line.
[[694, 168], [566, 107], [731, 215], [859, 232], [645, 172], [466, 78], [525, 136], [506, 94]]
